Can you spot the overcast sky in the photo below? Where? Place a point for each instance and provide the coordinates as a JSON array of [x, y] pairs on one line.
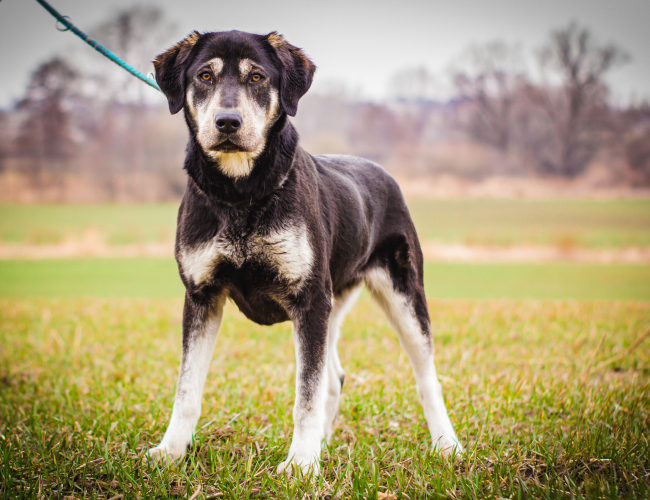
[[360, 43]]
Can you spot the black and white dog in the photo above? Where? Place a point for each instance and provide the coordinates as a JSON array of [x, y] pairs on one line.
[[285, 235]]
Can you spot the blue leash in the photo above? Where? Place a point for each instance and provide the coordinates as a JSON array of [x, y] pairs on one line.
[[98, 47]]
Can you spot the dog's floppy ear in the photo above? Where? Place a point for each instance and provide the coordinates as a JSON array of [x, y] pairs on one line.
[[170, 71], [296, 75]]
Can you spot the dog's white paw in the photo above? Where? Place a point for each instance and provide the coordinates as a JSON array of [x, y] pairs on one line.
[[166, 454], [309, 464], [447, 447]]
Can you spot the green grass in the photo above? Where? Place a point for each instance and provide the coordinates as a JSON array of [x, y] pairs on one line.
[[119, 223], [588, 223], [537, 281], [86, 386], [143, 277], [87, 383], [584, 223], [138, 277]]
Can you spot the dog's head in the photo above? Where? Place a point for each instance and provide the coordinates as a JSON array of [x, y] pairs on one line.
[[233, 86]]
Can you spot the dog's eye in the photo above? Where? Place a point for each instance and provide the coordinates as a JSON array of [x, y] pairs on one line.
[[256, 77], [206, 77]]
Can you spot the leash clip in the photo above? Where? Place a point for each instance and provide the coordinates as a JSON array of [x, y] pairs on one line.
[[65, 28]]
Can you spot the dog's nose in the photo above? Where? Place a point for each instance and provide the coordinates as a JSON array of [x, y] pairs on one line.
[[228, 122]]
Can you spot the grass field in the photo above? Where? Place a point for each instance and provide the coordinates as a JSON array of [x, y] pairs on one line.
[[545, 384], [583, 223], [149, 277], [86, 387], [120, 224]]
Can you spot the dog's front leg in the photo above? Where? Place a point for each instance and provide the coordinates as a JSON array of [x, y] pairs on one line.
[[201, 325], [310, 342]]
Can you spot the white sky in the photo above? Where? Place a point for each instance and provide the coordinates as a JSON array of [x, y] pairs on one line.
[[360, 43]]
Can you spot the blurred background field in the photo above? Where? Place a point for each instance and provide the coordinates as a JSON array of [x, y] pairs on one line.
[[572, 222], [115, 223], [501, 222], [149, 228], [150, 277]]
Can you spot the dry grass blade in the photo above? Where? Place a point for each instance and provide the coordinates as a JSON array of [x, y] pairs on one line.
[[627, 352], [196, 493], [593, 356], [92, 462], [398, 463], [260, 472]]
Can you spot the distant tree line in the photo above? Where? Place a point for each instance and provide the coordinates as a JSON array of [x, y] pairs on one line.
[[99, 130], [500, 120], [84, 127]]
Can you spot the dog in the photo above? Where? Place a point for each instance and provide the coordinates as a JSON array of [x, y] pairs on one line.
[[285, 235]]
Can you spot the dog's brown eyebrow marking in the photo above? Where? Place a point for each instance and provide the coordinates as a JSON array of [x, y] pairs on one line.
[[245, 67], [215, 64]]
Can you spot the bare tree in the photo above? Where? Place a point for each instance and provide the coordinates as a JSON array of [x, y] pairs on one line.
[[136, 35], [636, 125], [45, 134], [488, 78], [374, 131], [100, 126], [413, 84], [576, 109], [5, 140]]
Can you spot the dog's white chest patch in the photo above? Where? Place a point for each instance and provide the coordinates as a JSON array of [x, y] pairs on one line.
[[286, 251]]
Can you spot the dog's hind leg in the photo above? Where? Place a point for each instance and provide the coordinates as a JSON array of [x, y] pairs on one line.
[[413, 327], [201, 325], [335, 373]]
